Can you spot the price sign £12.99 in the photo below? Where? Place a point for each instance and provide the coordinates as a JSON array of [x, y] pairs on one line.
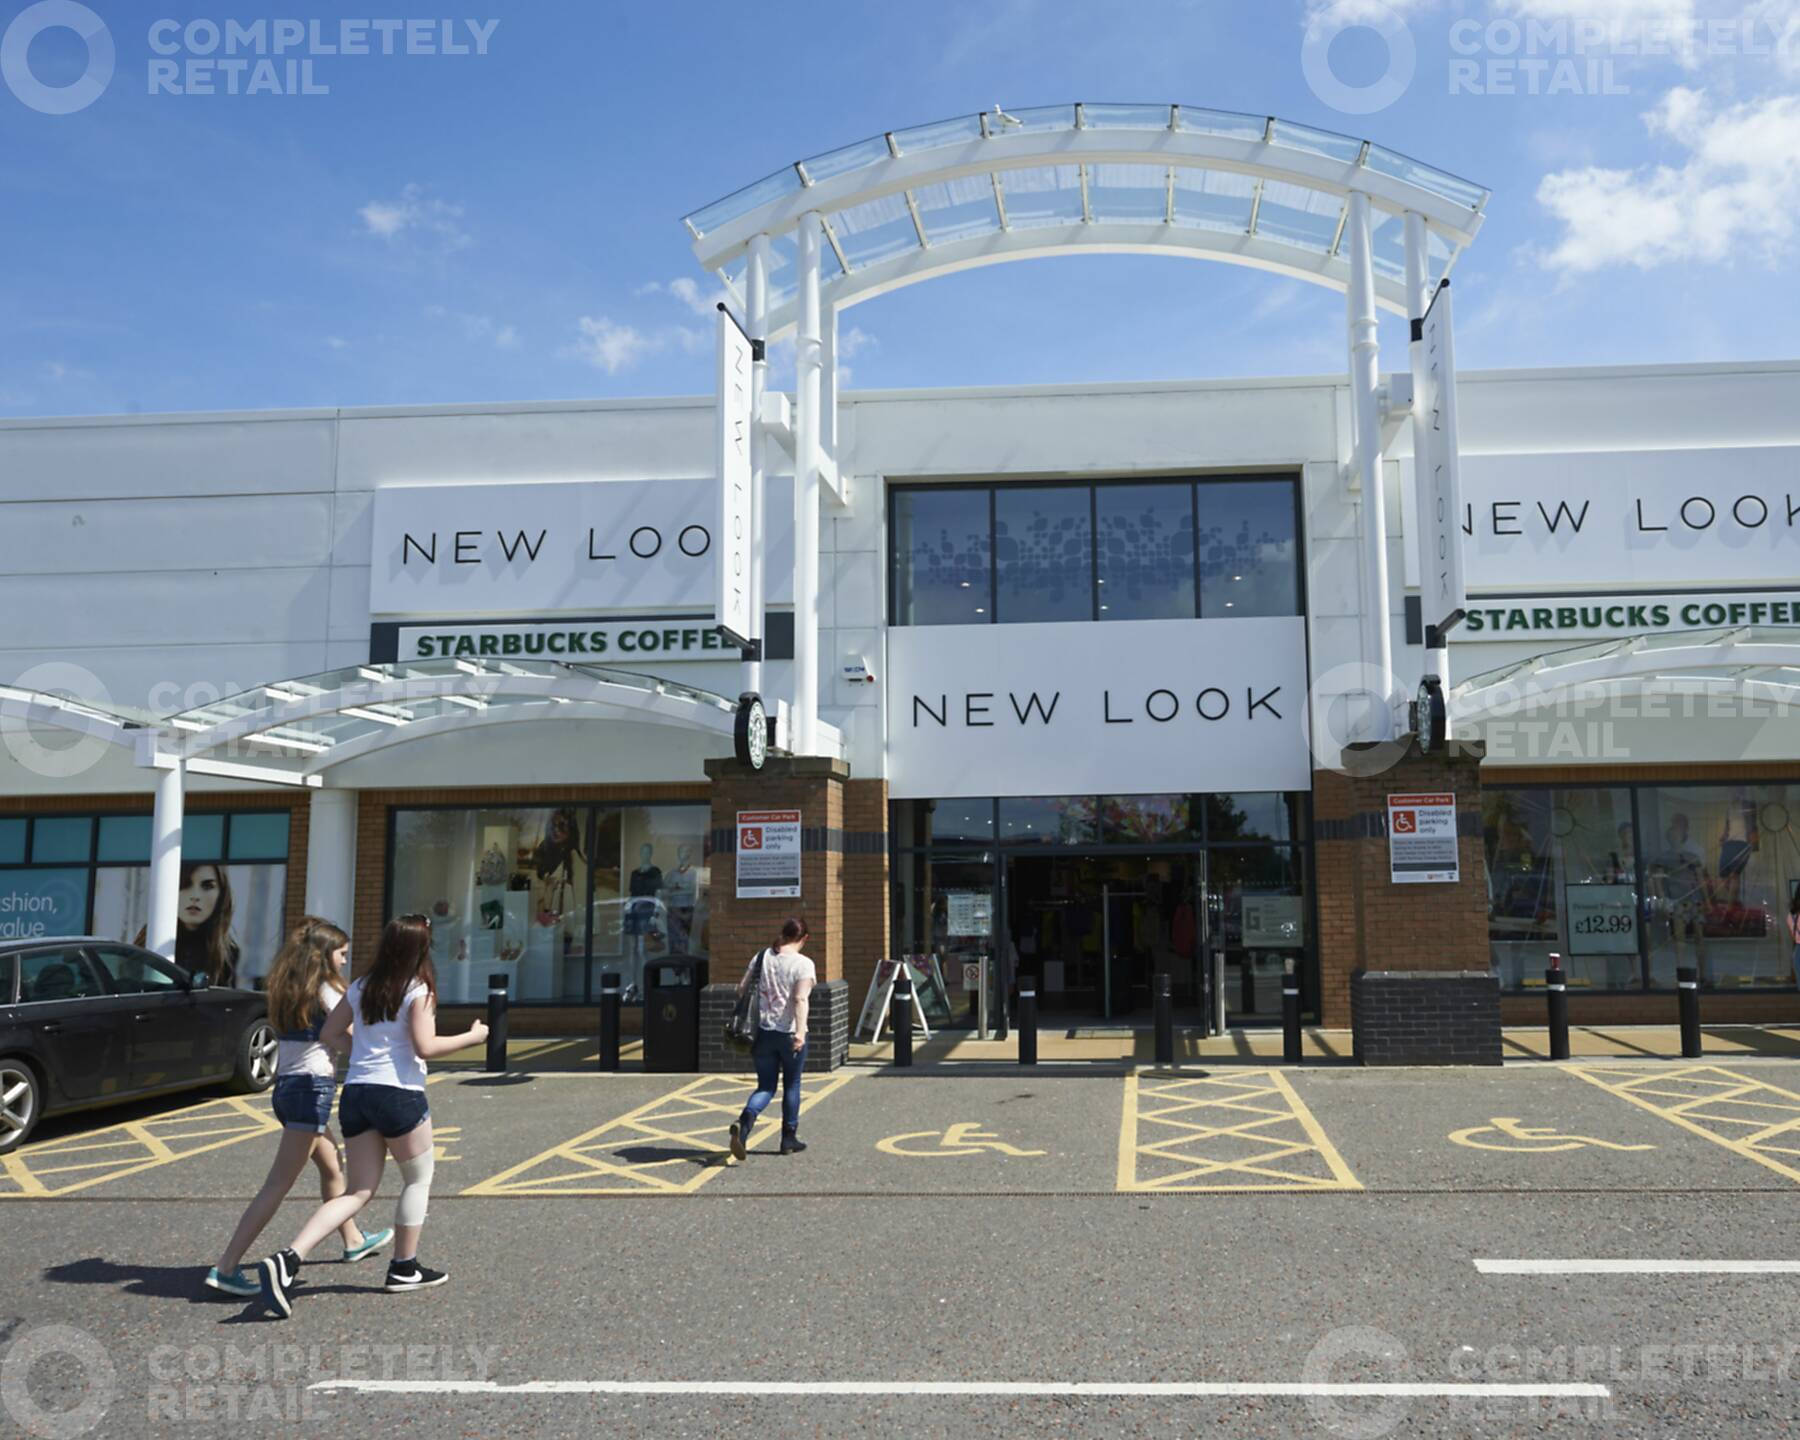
[[1602, 919]]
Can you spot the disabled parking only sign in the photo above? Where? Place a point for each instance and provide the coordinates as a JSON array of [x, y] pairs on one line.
[[1422, 839]]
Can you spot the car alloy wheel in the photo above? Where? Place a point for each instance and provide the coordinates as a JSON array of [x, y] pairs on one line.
[[18, 1105], [265, 1052]]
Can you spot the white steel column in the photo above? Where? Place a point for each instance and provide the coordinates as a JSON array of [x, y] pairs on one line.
[[331, 857], [756, 316], [1365, 381], [1418, 298], [828, 388], [165, 860], [808, 359]]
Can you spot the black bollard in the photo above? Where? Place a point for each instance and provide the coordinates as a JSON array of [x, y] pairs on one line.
[[1687, 990], [1247, 988], [1165, 1021], [609, 1020], [1290, 1014], [903, 1018], [496, 1019], [1028, 1023], [1556, 991]]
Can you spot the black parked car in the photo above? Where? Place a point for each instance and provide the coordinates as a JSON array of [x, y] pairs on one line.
[[87, 1022]]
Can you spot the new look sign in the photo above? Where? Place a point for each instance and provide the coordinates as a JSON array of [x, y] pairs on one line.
[[573, 548], [1141, 707]]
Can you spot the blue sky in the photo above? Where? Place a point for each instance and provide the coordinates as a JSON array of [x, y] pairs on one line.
[[447, 228]]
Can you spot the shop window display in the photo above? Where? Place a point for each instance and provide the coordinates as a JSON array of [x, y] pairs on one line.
[[1720, 867], [553, 897], [504, 890]]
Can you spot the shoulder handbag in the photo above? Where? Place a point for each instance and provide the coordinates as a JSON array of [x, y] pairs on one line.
[[740, 1029]]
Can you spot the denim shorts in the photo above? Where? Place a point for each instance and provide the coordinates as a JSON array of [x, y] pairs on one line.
[[303, 1102], [392, 1110]]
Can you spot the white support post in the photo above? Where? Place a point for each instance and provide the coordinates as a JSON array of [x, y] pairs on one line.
[[828, 388], [1418, 298], [331, 857], [165, 860], [808, 356], [1365, 405], [756, 316]]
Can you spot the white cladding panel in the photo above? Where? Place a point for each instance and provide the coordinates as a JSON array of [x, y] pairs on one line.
[[1132, 708]]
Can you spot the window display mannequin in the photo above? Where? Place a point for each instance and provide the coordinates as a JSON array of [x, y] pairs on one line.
[[1679, 879], [641, 909], [681, 888]]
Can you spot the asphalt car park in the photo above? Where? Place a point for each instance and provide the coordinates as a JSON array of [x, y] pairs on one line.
[[1066, 1251]]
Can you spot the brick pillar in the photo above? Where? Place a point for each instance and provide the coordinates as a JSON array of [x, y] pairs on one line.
[[1406, 966]]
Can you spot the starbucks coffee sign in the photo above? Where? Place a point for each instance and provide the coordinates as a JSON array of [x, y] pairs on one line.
[[610, 642], [1601, 617]]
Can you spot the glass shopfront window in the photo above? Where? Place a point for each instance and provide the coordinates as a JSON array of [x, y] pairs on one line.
[[1249, 557], [552, 896], [1033, 553], [1628, 883], [1043, 554], [90, 875], [1721, 864], [943, 557]]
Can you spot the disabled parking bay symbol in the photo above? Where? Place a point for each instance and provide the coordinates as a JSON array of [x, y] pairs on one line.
[[1508, 1133], [966, 1137]]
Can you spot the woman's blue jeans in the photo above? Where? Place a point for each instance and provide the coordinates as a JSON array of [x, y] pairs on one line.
[[774, 1056]]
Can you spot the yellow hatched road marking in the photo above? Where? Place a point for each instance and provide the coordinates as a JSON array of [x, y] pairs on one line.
[[144, 1145], [1704, 1095], [1224, 1132], [687, 1128]]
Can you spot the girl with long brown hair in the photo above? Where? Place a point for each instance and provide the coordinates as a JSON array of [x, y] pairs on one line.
[[305, 984], [204, 944], [383, 1111]]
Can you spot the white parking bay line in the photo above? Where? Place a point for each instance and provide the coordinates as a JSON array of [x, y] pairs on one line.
[[1638, 1267], [970, 1389]]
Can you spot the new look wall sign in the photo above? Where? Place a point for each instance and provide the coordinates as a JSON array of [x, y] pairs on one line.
[[559, 549], [1141, 707]]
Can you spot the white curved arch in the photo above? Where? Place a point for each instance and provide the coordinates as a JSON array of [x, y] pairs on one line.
[[1046, 242]]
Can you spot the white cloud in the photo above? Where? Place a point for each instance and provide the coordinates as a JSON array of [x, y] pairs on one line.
[[1735, 193], [337, 342], [477, 328], [609, 346], [415, 210], [686, 292]]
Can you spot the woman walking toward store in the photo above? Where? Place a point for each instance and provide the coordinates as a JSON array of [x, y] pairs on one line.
[[783, 1000], [305, 984], [1794, 930], [393, 1010]]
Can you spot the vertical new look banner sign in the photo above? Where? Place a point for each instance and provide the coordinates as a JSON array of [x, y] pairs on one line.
[[1443, 587], [1422, 839], [768, 854], [734, 538]]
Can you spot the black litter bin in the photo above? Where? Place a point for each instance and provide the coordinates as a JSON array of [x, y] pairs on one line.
[[672, 989]]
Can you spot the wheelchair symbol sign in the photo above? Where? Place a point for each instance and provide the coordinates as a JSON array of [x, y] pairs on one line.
[[1508, 1133]]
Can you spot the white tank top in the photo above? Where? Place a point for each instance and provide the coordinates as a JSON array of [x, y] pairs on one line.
[[383, 1054], [309, 1057]]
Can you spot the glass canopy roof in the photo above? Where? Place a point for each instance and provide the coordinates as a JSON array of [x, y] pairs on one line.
[[1762, 654], [1187, 171], [326, 712]]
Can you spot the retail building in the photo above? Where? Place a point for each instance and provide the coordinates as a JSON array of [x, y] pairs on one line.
[[1086, 671]]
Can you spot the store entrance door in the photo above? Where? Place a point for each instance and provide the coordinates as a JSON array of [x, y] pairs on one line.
[[1094, 932]]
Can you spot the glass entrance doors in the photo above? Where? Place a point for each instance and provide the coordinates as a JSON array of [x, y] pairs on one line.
[[1093, 932]]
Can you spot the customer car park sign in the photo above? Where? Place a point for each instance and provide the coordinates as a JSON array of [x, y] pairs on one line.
[[1422, 839], [768, 854]]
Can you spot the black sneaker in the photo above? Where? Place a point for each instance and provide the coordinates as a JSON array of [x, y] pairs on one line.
[[405, 1275], [791, 1144], [738, 1130], [277, 1275]]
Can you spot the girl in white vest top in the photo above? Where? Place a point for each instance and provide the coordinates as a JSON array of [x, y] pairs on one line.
[[383, 1109]]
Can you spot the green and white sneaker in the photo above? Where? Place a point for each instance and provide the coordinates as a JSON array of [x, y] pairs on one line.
[[239, 1282], [371, 1244]]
